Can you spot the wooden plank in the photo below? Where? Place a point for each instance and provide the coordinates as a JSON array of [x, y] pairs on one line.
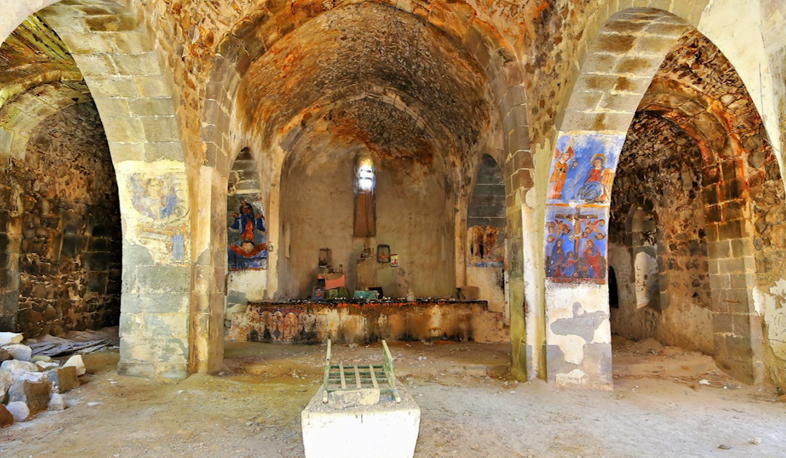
[[357, 377], [343, 380], [373, 377]]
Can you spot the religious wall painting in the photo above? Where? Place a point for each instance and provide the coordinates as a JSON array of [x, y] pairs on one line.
[[486, 246], [160, 220], [576, 242], [582, 169], [247, 242]]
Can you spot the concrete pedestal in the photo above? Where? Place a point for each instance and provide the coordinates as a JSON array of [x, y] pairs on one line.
[[384, 430]]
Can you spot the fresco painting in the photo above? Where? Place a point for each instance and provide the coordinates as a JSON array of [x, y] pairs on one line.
[[578, 198], [582, 171], [247, 244], [486, 246], [576, 244], [161, 214]]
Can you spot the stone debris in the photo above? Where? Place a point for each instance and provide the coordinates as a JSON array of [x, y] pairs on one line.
[[8, 338], [6, 379], [29, 377], [35, 395], [42, 366], [30, 387], [6, 419], [63, 379], [19, 410], [19, 352], [13, 366], [56, 402], [76, 361]]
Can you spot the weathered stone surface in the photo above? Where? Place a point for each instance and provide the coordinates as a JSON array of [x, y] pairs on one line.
[[16, 367], [76, 362], [41, 358], [353, 398], [56, 402], [7, 338], [63, 379], [4, 355], [19, 352], [6, 418], [6, 379], [69, 251], [34, 394], [42, 366], [19, 410]]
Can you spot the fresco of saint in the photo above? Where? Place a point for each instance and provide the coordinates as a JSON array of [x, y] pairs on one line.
[[597, 186], [247, 231], [593, 258], [562, 161]]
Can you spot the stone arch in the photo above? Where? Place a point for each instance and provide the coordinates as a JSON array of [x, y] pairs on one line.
[[484, 246], [633, 45], [245, 266], [261, 29], [119, 65]]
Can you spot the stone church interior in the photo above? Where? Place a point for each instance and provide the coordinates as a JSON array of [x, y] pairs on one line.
[[392, 228]]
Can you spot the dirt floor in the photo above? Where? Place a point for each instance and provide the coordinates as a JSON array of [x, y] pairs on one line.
[[666, 402]]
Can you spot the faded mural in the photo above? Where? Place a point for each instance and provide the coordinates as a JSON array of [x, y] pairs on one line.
[[579, 193], [486, 246], [160, 220], [486, 217], [247, 244]]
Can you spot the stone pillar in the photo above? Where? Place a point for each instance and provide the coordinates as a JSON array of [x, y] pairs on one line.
[[134, 98]]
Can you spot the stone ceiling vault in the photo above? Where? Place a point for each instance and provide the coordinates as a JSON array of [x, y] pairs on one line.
[[378, 76]]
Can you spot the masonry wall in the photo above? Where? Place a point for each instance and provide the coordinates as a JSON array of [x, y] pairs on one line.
[[69, 262], [485, 234], [412, 218], [657, 211]]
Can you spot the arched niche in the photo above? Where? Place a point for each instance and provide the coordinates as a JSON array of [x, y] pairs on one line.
[[247, 250], [485, 236]]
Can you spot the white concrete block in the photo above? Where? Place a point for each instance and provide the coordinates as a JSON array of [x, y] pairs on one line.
[[385, 430]]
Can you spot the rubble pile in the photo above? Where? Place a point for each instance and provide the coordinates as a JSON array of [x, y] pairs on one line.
[[32, 384]]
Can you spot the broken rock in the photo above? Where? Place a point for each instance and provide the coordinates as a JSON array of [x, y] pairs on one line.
[[19, 410], [4, 355], [6, 419], [7, 338], [29, 377], [19, 352], [56, 402], [34, 394], [6, 379], [63, 379], [15, 367], [41, 358], [76, 361], [42, 366]]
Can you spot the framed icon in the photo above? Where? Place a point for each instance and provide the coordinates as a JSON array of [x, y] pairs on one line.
[[393, 260], [383, 253]]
